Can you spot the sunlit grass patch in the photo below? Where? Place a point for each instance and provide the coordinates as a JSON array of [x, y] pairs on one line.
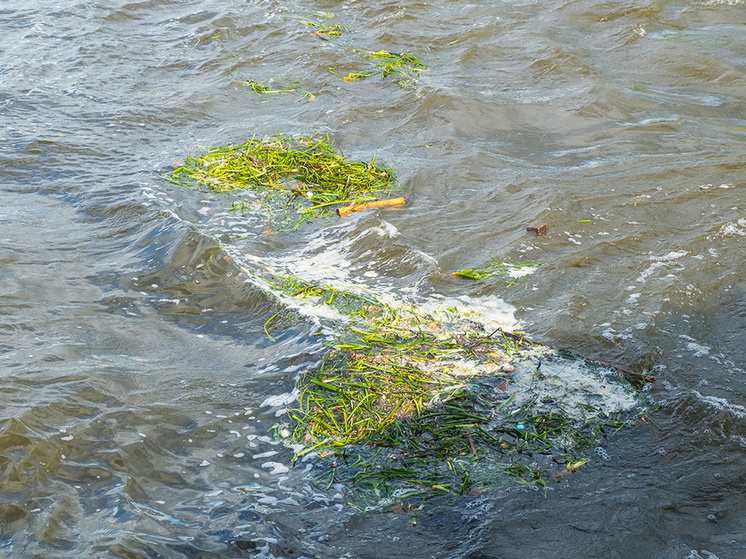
[[498, 270], [405, 68], [312, 178], [321, 29], [270, 89], [414, 402]]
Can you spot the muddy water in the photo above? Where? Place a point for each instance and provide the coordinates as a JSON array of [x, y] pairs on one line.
[[138, 387]]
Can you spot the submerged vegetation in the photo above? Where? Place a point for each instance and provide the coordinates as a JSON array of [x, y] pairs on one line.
[[498, 270], [294, 178], [268, 89], [411, 402], [325, 29], [404, 67]]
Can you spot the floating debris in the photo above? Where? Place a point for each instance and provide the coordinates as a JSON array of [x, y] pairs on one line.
[[498, 270], [321, 29], [287, 176], [405, 67], [390, 203], [289, 87], [537, 229], [410, 401]]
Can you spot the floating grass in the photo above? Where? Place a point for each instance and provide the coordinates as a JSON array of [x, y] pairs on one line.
[[412, 402], [325, 30], [270, 89], [409, 401], [404, 67], [301, 174], [498, 271], [360, 305]]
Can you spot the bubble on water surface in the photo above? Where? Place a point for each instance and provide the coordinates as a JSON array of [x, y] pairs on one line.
[[280, 399], [275, 468], [601, 452]]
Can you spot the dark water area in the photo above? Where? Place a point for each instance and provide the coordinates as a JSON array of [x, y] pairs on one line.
[[138, 387]]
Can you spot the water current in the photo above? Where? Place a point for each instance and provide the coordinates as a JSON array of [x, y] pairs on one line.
[[138, 386]]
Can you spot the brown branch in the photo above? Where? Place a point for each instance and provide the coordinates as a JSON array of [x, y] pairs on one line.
[[391, 202]]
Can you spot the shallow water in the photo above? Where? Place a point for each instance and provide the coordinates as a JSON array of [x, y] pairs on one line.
[[138, 387]]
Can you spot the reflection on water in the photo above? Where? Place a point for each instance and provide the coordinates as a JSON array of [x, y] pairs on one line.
[[139, 389]]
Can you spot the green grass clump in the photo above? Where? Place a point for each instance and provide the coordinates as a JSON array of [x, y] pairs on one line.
[[321, 29], [359, 305], [497, 270], [407, 404], [311, 177], [405, 67], [268, 89]]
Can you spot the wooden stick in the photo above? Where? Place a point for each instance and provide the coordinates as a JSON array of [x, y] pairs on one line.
[[390, 203], [473, 448], [537, 228]]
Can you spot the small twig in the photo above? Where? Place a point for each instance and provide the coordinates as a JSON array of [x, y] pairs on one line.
[[471, 444], [391, 202]]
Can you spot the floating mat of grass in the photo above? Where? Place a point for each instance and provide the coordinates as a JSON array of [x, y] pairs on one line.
[[269, 89], [320, 29], [411, 402], [311, 178], [498, 270], [404, 67]]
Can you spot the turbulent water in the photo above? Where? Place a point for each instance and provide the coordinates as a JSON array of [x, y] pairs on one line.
[[139, 388]]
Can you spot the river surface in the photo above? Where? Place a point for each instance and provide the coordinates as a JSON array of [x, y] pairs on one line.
[[138, 386]]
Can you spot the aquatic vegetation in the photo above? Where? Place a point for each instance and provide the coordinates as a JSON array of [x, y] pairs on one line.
[[289, 87], [344, 301], [498, 270], [321, 29], [289, 179], [410, 401], [206, 39], [404, 67]]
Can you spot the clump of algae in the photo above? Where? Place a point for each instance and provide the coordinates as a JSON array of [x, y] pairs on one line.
[[305, 172], [498, 270], [404, 67], [410, 402], [269, 89]]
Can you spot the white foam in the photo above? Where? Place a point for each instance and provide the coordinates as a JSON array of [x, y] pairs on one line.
[[386, 230], [276, 468], [738, 228], [280, 399], [521, 271], [265, 454], [660, 261], [699, 350], [569, 386], [491, 312], [723, 405], [673, 255], [632, 299]]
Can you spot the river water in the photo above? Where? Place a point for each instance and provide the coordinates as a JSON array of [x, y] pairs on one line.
[[138, 387]]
